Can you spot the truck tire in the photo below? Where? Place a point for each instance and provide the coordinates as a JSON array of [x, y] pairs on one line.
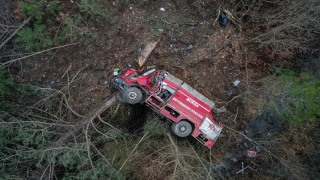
[[182, 128], [119, 97], [132, 95]]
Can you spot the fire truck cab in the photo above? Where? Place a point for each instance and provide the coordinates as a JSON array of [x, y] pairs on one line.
[[167, 95]]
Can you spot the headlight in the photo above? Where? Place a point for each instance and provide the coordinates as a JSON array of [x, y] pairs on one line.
[[119, 80]]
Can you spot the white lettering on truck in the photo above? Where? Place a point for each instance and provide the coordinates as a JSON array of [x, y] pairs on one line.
[[193, 102], [188, 108]]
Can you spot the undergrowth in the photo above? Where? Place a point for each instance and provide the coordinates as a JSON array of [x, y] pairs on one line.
[[293, 96], [52, 24], [6, 82]]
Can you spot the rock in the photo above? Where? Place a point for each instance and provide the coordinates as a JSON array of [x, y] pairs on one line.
[[162, 9], [190, 47], [40, 80], [87, 66], [109, 37], [100, 66], [53, 82]]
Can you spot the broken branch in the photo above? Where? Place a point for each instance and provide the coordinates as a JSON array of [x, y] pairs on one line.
[[145, 53]]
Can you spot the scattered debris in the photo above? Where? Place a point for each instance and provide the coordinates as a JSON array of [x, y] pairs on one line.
[[190, 47], [40, 80], [236, 82], [264, 125], [100, 66], [258, 149], [233, 19], [230, 156], [109, 37], [219, 110], [204, 22], [248, 166], [251, 153], [162, 9], [87, 66], [53, 82], [223, 19]]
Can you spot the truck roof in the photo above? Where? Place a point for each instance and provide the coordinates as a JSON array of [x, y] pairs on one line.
[[191, 90], [187, 100]]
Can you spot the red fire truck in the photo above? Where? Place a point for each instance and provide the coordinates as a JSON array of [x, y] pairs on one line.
[[165, 94]]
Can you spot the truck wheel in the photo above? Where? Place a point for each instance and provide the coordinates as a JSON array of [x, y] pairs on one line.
[[132, 95], [182, 128], [119, 97]]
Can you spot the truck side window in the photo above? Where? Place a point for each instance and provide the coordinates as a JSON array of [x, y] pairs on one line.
[[172, 112], [164, 94]]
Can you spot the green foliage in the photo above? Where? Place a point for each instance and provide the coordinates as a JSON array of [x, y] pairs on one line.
[[6, 82], [19, 142], [125, 1], [36, 38], [300, 98], [40, 9], [92, 7], [52, 23], [27, 90], [27, 140]]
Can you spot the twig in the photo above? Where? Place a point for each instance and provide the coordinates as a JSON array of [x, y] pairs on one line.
[[133, 151], [44, 172], [236, 116], [108, 123], [65, 99], [257, 144], [217, 15], [87, 119], [102, 133], [88, 146], [231, 100], [104, 158], [39, 52], [247, 77], [15, 32]]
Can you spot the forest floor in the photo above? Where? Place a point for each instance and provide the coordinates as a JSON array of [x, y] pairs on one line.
[[192, 46]]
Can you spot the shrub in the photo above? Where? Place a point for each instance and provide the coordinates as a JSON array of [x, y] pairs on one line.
[[36, 38], [51, 24], [6, 82], [92, 7], [299, 98]]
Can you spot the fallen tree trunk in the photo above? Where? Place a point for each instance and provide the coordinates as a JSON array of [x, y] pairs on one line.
[[84, 121], [145, 53]]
